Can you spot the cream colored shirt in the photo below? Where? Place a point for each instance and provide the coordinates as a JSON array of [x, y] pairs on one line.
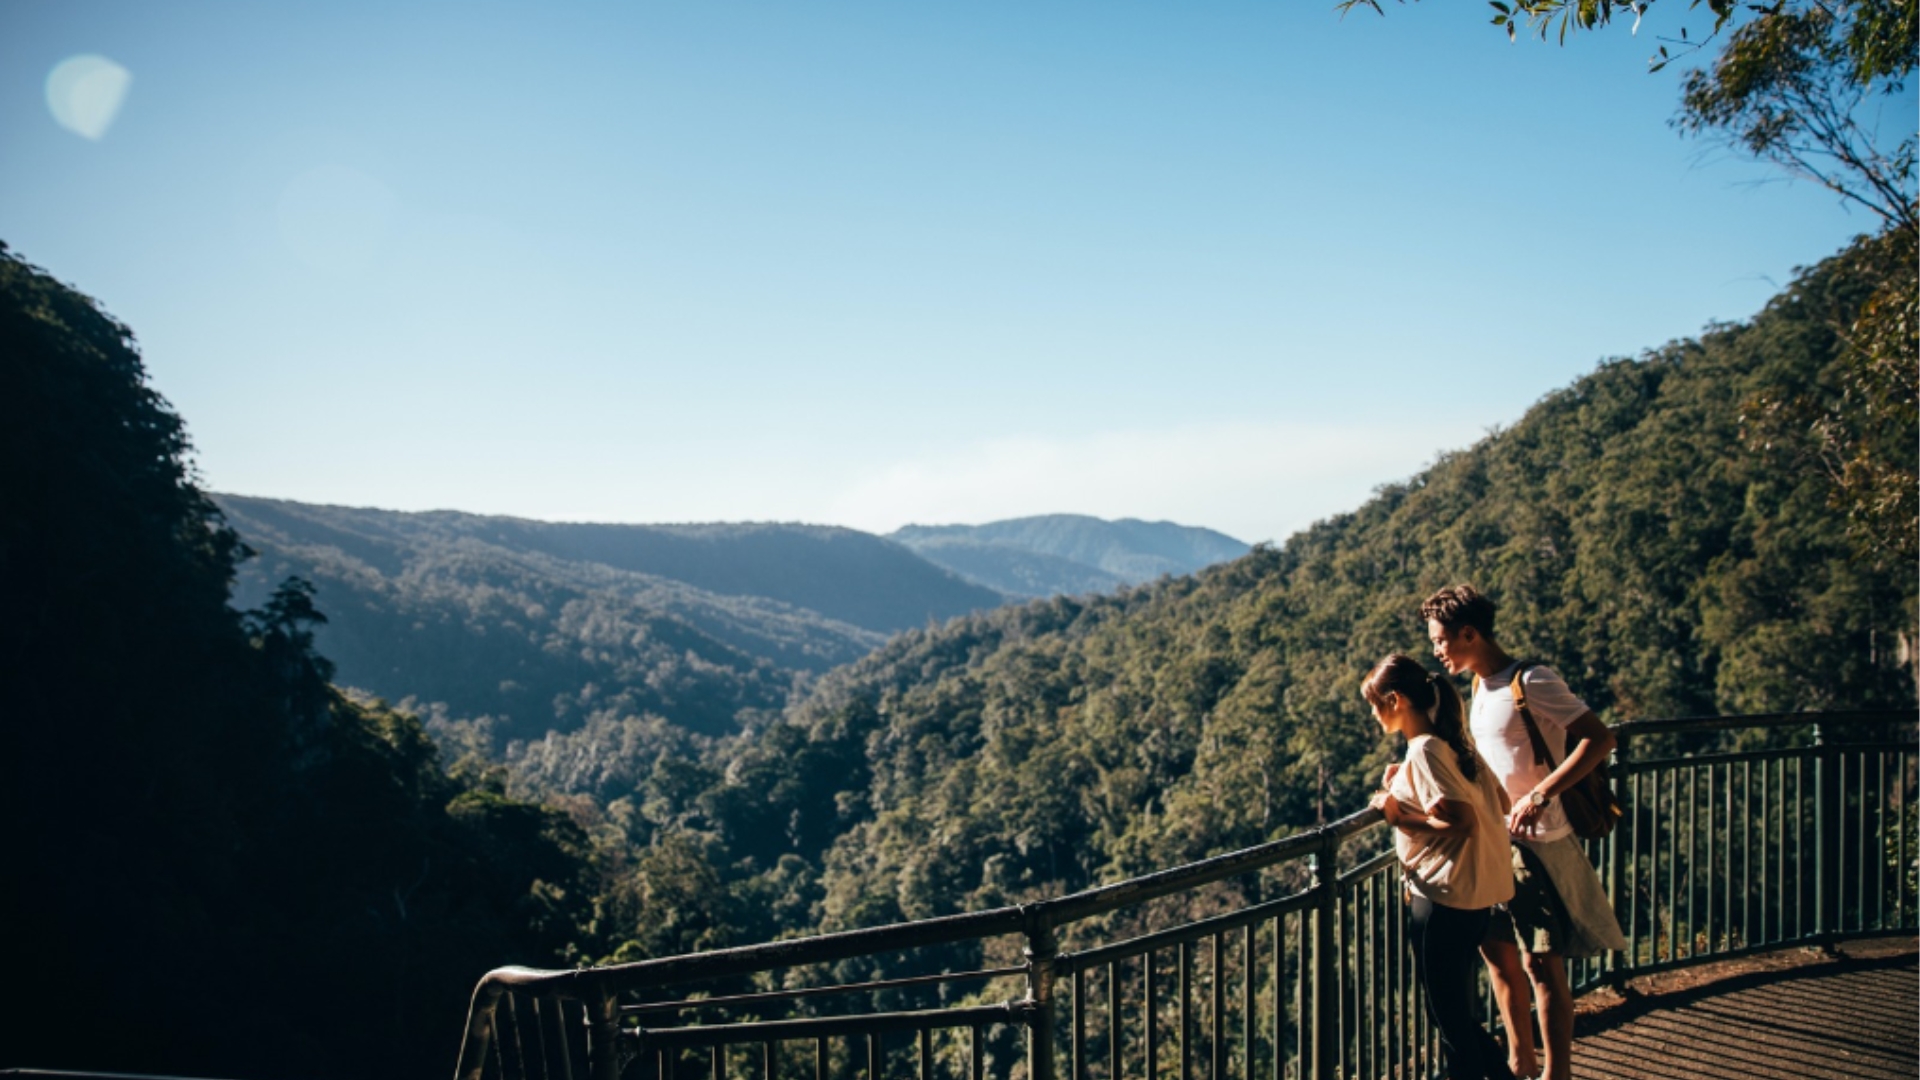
[[1472, 871], [1501, 735]]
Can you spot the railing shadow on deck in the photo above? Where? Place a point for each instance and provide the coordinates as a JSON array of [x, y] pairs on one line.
[[1285, 961]]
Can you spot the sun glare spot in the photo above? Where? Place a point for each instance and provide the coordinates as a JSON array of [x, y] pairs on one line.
[[85, 93]]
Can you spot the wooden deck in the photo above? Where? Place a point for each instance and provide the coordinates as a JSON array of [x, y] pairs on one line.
[[1853, 1014]]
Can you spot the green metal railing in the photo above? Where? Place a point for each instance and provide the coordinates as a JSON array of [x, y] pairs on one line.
[[1721, 854], [1285, 961]]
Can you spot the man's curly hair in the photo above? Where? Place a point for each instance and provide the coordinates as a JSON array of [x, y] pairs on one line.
[[1460, 605]]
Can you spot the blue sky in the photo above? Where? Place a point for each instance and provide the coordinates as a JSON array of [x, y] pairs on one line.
[[1231, 264]]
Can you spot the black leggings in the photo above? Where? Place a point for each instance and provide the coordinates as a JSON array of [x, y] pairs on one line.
[[1446, 954]]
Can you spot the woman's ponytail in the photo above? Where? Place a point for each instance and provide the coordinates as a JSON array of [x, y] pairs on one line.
[[1450, 723], [1431, 693]]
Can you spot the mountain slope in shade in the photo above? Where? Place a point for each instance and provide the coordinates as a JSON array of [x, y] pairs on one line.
[[843, 574], [1055, 554], [541, 625]]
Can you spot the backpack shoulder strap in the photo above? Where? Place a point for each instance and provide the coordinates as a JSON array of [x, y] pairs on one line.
[[1534, 737]]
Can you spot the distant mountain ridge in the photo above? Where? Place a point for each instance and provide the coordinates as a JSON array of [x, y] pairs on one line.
[[1069, 554], [541, 624]]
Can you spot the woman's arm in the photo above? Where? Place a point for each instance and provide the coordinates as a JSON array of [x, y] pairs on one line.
[[1446, 817]]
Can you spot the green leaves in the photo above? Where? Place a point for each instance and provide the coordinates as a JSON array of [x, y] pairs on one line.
[[1794, 87], [1503, 16]]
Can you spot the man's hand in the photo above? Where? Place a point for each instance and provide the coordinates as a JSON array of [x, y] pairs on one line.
[[1524, 820]]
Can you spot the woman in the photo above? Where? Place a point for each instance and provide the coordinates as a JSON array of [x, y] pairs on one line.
[[1449, 819]]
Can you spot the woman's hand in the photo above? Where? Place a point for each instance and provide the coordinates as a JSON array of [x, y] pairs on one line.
[[1383, 800]]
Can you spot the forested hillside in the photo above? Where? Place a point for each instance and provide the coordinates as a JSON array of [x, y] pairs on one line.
[[537, 626], [1068, 554], [215, 864], [1669, 554]]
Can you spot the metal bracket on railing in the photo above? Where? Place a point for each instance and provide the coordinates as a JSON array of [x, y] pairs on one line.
[[604, 1048], [1040, 950]]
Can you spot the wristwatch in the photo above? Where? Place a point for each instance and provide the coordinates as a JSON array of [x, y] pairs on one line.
[[1538, 800]]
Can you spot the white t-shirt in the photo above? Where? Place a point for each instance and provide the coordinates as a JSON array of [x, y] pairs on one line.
[[1501, 736], [1472, 871]]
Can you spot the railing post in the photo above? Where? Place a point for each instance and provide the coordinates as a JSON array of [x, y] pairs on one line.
[[603, 1033], [1826, 836], [1325, 868], [1040, 951], [1619, 967], [480, 1032]]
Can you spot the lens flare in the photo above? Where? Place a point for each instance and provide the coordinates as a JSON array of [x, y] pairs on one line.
[[85, 93]]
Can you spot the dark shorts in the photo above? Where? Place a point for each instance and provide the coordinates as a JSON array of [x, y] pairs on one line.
[[1536, 917]]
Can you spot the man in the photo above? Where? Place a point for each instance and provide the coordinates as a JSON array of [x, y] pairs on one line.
[[1559, 910]]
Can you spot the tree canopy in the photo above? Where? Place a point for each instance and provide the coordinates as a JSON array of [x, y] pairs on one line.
[[210, 852]]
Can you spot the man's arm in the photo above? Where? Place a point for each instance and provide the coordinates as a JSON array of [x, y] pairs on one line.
[[1589, 741]]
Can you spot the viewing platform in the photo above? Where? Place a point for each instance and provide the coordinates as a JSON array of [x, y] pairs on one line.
[[1288, 960]]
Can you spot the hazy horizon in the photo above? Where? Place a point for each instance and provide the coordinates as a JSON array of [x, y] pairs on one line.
[[734, 521]]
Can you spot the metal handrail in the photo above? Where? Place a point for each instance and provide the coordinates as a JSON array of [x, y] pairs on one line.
[[762, 1031], [747, 959], [1331, 975], [985, 975], [1185, 933], [1847, 717]]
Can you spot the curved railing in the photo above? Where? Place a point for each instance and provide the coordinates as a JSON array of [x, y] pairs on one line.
[[1279, 962]]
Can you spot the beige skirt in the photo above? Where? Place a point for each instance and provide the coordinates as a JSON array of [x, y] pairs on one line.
[[1592, 927]]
